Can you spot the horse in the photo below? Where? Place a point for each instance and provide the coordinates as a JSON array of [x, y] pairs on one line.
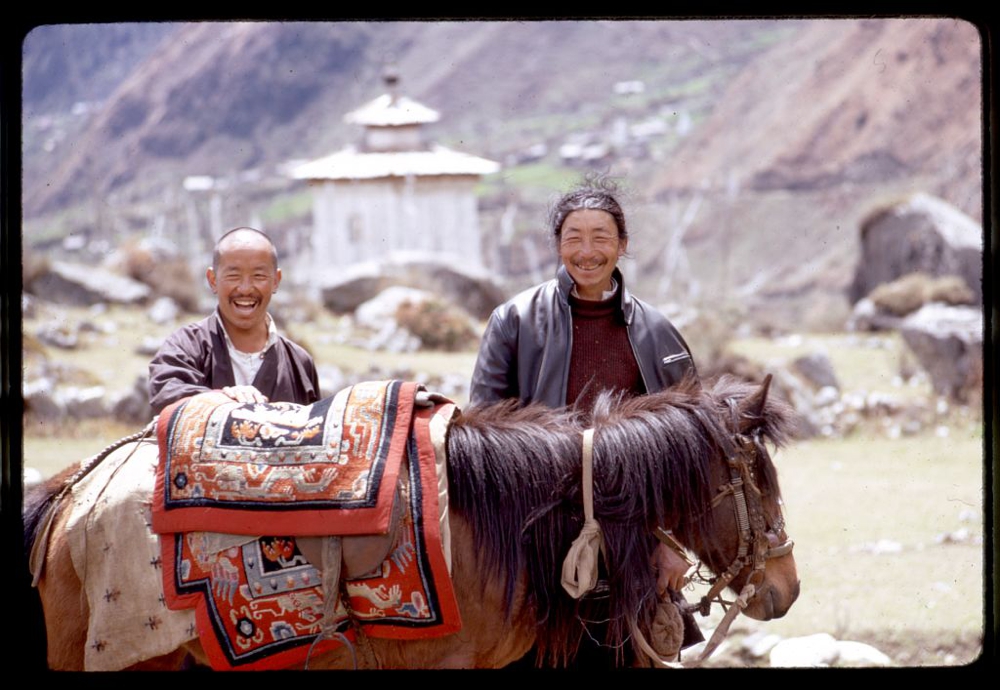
[[689, 460]]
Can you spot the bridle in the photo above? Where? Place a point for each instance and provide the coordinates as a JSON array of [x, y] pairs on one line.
[[755, 537]]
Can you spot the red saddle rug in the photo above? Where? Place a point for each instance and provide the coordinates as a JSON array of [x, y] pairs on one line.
[[285, 471]]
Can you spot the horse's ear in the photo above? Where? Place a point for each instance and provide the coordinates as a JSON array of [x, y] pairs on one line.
[[752, 407]]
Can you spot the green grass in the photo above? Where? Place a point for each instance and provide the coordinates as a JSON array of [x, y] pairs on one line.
[[288, 206], [858, 366], [111, 357], [844, 496], [538, 175]]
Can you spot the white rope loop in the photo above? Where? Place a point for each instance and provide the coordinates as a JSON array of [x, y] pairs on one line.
[[579, 573]]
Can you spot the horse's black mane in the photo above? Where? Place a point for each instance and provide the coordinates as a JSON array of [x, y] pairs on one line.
[[515, 474]]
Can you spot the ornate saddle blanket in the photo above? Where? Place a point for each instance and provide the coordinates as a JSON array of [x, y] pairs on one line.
[[241, 487], [326, 468]]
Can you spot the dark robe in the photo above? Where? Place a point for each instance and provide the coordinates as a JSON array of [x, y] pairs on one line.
[[195, 359]]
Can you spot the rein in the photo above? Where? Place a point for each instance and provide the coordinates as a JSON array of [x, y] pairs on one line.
[[580, 566], [754, 548]]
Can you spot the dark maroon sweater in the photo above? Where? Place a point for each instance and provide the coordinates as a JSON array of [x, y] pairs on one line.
[[602, 357]]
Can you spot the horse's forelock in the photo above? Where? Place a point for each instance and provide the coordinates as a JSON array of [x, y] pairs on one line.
[[776, 424]]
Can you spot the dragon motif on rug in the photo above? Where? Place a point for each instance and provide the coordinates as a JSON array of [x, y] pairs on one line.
[[239, 487]]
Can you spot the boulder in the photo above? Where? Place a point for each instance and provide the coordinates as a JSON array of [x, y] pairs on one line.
[[79, 285], [347, 294], [374, 313], [164, 310], [58, 334], [40, 400], [149, 346], [817, 369], [132, 404], [850, 653], [923, 234], [811, 651], [948, 343], [823, 650], [83, 402], [476, 293], [331, 379], [866, 317]]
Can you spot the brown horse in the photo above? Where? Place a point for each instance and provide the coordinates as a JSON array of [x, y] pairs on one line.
[[685, 460]]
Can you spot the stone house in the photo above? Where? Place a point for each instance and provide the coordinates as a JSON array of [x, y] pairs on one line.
[[394, 193]]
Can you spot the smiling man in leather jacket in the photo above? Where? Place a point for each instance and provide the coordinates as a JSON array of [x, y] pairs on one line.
[[527, 347], [583, 331], [567, 340]]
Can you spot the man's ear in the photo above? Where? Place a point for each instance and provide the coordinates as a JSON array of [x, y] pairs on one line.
[[210, 277], [622, 247], [277, 279]]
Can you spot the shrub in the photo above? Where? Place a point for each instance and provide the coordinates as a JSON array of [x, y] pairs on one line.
[[438, 326], [907, 294], [167, 276]]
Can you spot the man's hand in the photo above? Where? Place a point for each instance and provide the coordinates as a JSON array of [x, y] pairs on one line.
[[671, 569], [245, 394]]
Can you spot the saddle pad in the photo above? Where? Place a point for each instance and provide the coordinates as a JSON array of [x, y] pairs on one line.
[[282, 468], [260, 605], [117, 557]]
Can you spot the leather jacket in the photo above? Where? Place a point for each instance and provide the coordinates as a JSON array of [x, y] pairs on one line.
[[525, 349]]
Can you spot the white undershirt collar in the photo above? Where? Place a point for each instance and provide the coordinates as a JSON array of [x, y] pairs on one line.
[[247, 364], [607, 294]]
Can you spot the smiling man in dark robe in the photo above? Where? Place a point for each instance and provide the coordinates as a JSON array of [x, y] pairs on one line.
[[237, 349]]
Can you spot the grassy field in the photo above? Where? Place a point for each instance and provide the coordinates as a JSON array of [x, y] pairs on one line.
[[888, 531], [889, 536]]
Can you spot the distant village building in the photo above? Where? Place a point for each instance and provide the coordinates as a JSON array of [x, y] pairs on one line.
[[395, 193]]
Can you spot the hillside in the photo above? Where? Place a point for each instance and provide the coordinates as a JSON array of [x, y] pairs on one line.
[[848, 102], [822, 130], [768, 133], [217, 98]]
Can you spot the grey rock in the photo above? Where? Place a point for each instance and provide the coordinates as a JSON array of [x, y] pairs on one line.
[[922, 234], [811, 651], [476, 293], [392, 337], [58, 334], [132, 404], [331, 379], [79, 285], [382, 308], [760, 643], [817, 369], [40, 400], [163, 310], [865, 316], [83, 402], [149, 346], [948, 343], [850, 653]]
